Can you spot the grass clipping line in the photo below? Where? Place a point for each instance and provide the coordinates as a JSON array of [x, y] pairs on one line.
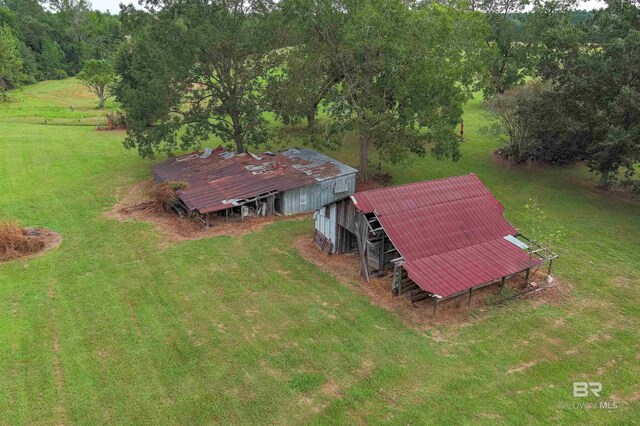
[[16, 242]]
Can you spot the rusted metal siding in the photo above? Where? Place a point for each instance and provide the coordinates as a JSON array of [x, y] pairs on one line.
[[312, 197]]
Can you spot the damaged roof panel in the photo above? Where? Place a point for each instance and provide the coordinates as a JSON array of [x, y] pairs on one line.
[[215, 180]]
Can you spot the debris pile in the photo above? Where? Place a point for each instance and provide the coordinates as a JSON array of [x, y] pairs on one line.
[[16, 241]]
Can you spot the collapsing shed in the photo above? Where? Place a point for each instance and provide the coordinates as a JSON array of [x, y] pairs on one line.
[[222, 182], [439, 238]]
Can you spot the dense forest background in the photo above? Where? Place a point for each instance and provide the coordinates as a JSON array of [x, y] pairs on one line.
[[52, 40]]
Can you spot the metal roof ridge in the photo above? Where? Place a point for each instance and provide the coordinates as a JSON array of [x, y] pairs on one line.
[[441, 203], [370, 191]]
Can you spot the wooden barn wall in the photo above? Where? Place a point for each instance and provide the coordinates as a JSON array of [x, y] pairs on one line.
[[325, 225], [312, 197], [329, 218]]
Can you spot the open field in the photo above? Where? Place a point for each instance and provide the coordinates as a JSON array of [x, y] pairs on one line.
[[118, 326]]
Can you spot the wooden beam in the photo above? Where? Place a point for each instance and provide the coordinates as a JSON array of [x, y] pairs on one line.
[[502, 284], [526, 276], [381, 259], [470, 294]]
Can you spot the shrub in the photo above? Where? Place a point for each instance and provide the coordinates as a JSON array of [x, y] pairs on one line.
[[16, 241], [531, 123], [116, 120]]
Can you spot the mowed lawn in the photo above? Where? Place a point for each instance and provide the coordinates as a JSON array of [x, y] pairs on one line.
[[116, 326]]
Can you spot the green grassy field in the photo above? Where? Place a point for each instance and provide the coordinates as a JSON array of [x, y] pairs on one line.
[[114, 327]]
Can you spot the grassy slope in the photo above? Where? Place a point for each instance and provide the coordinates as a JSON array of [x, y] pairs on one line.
[[113, 326]]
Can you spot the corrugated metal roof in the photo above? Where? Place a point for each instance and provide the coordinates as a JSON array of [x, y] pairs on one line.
[[219, 180], [317, 165], [454, 271], [419, 194], [450, 232]]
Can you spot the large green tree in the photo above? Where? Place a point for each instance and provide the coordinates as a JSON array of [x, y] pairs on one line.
[[308, 72], [197, 70], [10, 61], [518, 37], [407, 73], [597, 78]]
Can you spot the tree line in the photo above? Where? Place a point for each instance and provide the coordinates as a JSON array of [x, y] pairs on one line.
[[560, 83], [42, 40], [583, 101]]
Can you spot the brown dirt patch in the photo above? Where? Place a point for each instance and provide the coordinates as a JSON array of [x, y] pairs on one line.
[[419, 315], [522, 367], [17, 242], [136, 204], [331, 389]]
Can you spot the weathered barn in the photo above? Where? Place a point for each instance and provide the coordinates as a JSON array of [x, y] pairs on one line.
[[439, 238], [222, 182]]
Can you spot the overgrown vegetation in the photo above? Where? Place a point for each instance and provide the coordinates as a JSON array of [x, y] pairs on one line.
[[116, 120], [163, 195], [55, 37], [588, 106]]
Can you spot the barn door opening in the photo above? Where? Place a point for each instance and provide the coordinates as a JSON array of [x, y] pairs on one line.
[[347, 241], [277, 203]]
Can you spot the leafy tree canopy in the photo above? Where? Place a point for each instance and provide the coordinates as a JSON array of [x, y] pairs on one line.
[[98, 75], [10, 61], [197, 70], [598, 81], [403, 90]]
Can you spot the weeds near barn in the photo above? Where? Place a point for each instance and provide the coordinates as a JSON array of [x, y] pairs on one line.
[[538, 227], [163, 195]]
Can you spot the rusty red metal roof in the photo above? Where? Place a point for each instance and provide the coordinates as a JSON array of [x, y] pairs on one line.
[[218, 181], [449, 231], [455, 271]]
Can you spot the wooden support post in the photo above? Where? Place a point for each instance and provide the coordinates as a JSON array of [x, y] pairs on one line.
[[206, 218], [470, 294], [502, 284], [381, 258], [397, 280], [526, 276], [550, 263]]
